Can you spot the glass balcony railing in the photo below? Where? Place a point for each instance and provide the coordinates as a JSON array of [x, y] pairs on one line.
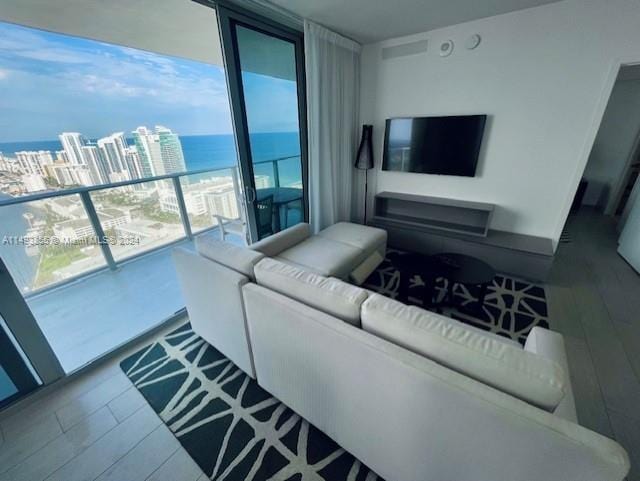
[[282, 172], [56, 237], [37, 241], [138, 218]]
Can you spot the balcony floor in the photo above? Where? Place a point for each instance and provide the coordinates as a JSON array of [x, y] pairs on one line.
[[89, 317]]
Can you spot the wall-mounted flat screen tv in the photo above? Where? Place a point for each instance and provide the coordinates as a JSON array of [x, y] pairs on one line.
[[434, 145]]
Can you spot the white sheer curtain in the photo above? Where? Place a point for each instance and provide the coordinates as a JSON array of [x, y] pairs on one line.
[[333, 84]]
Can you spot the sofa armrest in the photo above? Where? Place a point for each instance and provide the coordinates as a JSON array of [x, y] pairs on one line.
[[213, 298], [283, 240], [550, 344]]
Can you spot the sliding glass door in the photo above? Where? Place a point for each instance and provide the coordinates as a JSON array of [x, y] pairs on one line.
[[266, 83]]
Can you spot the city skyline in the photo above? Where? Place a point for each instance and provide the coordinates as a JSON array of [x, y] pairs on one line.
[[109, 159]]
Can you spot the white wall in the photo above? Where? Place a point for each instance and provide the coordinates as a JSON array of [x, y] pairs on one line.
[[543, 75], [614, 143]]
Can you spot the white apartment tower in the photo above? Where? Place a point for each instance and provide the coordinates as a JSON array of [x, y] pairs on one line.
[[72, 143], [32, 162], [96, 163], [134, 166], [114, 151]]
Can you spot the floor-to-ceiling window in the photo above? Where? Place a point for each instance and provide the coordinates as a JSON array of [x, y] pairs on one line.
[[117, 145], [83, 124]]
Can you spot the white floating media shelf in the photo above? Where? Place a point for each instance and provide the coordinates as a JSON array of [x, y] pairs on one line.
[[432, 224], [434, 213]]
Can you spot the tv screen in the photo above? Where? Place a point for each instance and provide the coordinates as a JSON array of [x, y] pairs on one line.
[[434, 145]]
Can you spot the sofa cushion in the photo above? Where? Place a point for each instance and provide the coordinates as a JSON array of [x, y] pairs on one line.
[[356, 235], [276, 243], [240, 259], [327, 294], [481, 356], [324, 256]]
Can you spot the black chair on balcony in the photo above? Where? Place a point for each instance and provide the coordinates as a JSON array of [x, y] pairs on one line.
[[264, 216], [282, 198]]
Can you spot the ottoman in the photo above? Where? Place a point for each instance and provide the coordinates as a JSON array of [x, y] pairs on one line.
[[370, 240], [344, 250], [363, 237]]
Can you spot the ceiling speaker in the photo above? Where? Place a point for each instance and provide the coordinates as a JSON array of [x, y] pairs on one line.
[[446, 48], [473, 41]]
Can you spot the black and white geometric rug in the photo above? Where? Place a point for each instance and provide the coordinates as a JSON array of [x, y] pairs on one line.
[[512, 307], [232, 428]]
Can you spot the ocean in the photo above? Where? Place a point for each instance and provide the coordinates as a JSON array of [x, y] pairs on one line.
[[200, 152]]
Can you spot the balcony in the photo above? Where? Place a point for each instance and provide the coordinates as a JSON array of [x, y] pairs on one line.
[[94, 263]]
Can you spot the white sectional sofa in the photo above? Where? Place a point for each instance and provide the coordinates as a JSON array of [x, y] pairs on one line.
[[414, 395]]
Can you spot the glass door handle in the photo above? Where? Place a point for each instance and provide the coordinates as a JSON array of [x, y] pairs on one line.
[[250, 194]]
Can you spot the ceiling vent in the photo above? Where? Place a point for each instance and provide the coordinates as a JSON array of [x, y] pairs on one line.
[[404, 49]]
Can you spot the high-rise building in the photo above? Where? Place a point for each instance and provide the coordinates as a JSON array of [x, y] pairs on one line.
[[72, 143], [113, 150], [97, 164], [82, 175], [148, 146], [8, 164], [134, 166], [160, 152], [32, 162], [171, 150], [70, 175], [62, 156]]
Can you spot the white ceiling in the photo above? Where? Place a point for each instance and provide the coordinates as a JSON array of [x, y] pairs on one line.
[[181, 28], [372, 20]]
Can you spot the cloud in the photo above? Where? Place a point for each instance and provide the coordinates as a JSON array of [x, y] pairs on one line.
[[61, 80]]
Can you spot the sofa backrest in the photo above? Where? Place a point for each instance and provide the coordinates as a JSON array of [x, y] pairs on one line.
[[328, 294], [283, 240], [240, 259], [407, 417], [482, 356]]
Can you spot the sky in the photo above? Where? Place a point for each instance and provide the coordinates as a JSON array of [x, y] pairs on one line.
[[52, 83]]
